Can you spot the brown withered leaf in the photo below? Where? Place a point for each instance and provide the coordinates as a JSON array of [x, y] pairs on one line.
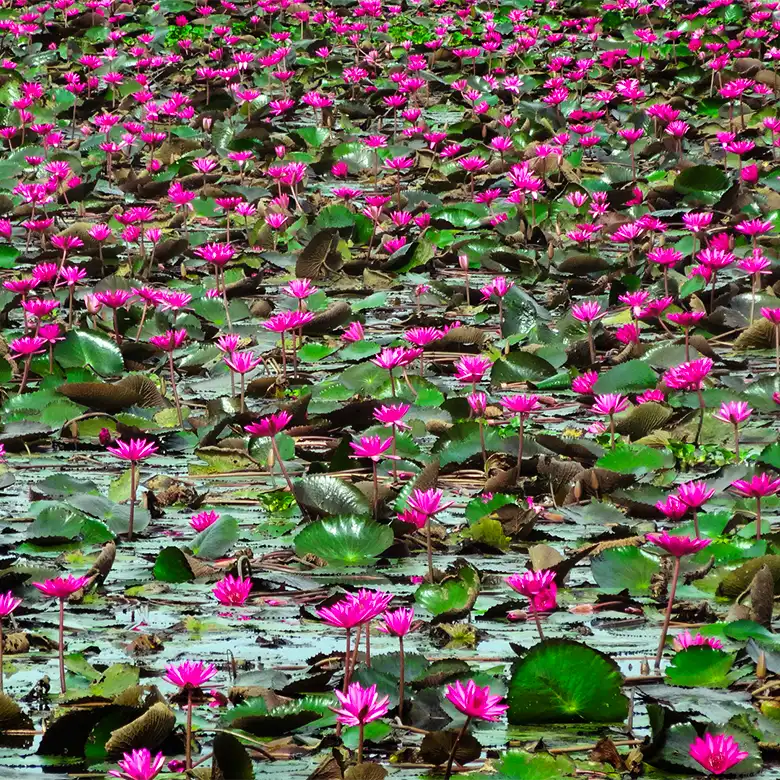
[[312, 262], [149, 730], [762, 593], [605, 752]]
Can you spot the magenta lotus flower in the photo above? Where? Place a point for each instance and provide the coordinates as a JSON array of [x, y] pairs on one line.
[[685, 639], [758, 486], [392, 416], [359, 706], [8, 603], [471, 368], [373, 447], [202, 520], [539, 588], [347, 614], [189, 675], [678, 546], [168, 342], [241, 363], [655, 396], [343, 614], [695, 494], [61, 588], [718, 753], [353, 333], [139, 765], [232, 591], [609, 405], [300, 289], [588, 312], [397, 623], [672, 508], [584, 383], [269, 426], [475, 702], [416, 519], [428, 503], [372, 603], [134, 450], [734, 413], [26, 347], [688, 376]]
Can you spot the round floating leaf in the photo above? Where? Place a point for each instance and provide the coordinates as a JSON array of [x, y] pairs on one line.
[[348, 541], [634, 376], [624, 567], [636, 459], [214, 541], [703, 667], [330, 496], [562, 681], [462, 441], [521, 367], [453, 597], [172, 566], [702, 178], [519, 765], [88, 349], [375, 731]]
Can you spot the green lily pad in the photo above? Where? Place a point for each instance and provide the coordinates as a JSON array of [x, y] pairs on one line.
[[346, 541], [627, 567], [702, 666], [562, 681]]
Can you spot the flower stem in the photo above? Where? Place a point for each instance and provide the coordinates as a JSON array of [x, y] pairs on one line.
[[520, 450], [278, 458], [62, 645], [188, 743], [696, 441], [361, 727], [591, 344], [376, 490], [448, 770], [538, 621], [611, 432], [1, 656], [430, 548], [668, 615], [347, 660], [132, 502], [696, 523], [400, 677], [175, 389], [758, 520]]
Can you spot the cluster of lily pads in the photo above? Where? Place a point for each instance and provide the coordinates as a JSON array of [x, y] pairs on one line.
[[389, 389]]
